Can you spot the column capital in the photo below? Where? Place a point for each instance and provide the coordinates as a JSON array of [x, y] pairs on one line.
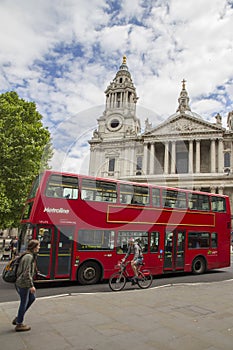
[[213, 189]]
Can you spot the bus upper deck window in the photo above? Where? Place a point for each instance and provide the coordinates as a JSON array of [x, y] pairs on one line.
[[199, 202], [61, 186], [99, 191], [131, 194], [218, 204]]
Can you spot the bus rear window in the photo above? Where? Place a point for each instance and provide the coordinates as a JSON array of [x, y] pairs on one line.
[[60, 186], [218, 204]]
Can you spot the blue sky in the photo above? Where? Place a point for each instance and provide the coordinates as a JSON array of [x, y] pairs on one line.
[[63, 54]]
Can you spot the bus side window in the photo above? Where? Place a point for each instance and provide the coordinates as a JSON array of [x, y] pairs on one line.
[[154, 242], [123, 237], [199, 201], [99, 191], [156, 197], [126, 193], [61, 186], [214, 240], [140, 196], [198, 240]]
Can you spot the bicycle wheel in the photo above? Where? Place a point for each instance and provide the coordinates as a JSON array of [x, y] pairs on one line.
[[144, 279], [117, 281]]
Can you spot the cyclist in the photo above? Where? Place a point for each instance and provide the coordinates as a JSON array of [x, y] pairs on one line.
[[134, 247]]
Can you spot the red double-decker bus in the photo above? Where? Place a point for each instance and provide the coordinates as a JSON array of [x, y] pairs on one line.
[[84, 223]]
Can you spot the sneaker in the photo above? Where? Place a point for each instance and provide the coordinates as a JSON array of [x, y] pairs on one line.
[[22, 328], [14, 322]]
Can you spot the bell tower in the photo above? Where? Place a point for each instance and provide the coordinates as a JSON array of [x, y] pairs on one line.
[[119, 118], [118, 127], [183, 100]]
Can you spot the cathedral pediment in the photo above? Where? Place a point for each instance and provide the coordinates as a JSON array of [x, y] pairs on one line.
[[184, 124]]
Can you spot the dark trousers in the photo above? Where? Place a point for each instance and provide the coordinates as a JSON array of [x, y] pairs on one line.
[[26, 300]]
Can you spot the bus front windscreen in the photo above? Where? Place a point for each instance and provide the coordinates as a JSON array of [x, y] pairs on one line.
[[35, 186]]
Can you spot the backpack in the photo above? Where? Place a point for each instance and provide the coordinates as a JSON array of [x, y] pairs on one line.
[[9, 273]]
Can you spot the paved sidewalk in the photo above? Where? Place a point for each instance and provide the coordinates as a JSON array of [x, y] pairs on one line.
[[176, 317]]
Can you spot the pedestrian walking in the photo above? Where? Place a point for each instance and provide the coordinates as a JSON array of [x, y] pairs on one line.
[[24, 284]]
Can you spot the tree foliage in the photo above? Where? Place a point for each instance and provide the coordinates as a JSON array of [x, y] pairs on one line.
[[25, 149]]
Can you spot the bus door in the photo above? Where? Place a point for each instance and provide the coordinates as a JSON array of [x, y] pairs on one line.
[[174, 250], [54, 257], [63, 254], [45, 236]]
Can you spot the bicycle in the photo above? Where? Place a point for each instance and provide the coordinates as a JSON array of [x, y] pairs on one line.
[[118, 279]]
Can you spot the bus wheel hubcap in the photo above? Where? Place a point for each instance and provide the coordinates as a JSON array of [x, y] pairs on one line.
[[89, 273]]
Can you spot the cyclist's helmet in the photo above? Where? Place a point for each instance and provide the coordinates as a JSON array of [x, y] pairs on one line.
[[131, 240]]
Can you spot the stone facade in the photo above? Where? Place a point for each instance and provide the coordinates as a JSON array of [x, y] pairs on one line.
[[184, 151]]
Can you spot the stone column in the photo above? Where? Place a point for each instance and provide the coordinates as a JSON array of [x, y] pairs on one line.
[[152, 158], [213, 189], [131, 160], [166, 158], [231, 159], [173, 158], [92, 160], [212, 156], [190, 156], [145, 158], [198, 164], [122, 163], [220, 156], [220, 189]]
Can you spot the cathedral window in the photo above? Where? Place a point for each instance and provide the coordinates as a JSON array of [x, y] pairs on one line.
[[139, 163], [114, 123], [139, 166], [227, 160], [118, 99], [111, 165]]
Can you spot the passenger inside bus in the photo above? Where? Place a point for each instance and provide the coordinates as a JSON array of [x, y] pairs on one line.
[[58, 193]]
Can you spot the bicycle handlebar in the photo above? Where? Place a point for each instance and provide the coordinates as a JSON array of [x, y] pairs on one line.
[[122, 264]]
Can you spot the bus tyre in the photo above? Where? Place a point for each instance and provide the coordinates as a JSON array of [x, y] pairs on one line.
[[199, 266], [89, 273]]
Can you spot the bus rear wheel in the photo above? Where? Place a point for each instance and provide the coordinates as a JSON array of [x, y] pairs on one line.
[[89, 273], [199, 266]]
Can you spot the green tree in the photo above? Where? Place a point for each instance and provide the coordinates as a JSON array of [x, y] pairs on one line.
[[25, 150]]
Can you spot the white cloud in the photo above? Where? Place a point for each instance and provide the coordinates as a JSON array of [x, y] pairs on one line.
[[63, 55]]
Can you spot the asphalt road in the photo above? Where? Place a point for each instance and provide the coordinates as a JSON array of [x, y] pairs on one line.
[[8, 293]]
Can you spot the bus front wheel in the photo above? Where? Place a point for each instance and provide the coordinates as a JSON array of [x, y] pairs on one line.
[[199, 266], [89, 273]]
